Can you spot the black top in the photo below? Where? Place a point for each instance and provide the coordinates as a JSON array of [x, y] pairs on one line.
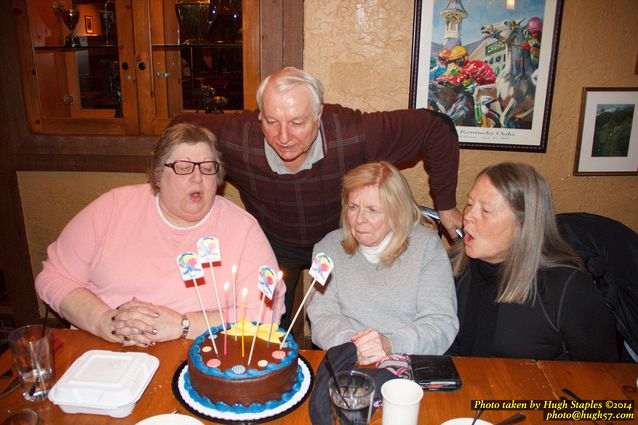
[[567, 320]]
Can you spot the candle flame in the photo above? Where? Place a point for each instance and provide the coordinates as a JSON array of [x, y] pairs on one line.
[[244, 292], [234, 269], [226, 285]]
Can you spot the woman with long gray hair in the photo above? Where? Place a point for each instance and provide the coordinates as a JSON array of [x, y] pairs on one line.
[[520, 287]]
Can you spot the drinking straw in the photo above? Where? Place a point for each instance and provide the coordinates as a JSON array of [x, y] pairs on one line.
[[334, 379], [37, 366]]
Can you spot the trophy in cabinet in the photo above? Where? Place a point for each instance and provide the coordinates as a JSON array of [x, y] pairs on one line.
[[195, 19], [107, 19], [70, 18]]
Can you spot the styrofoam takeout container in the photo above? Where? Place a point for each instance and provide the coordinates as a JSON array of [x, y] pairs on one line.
[[104, 382]]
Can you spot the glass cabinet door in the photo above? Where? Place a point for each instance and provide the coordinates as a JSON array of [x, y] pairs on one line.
[[79, 64], [126, 67], [204, 55]]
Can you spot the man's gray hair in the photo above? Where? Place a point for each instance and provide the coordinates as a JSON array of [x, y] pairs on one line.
[[287, 79]]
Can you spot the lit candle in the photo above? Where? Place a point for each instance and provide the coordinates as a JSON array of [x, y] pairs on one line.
[[219, 306], [243, 319], [234, 271], [226, 285], [252, 346]]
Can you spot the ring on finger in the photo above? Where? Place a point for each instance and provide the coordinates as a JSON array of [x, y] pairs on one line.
[[127, 338]]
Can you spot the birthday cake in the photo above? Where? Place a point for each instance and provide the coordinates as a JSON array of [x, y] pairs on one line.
[[226, 381]]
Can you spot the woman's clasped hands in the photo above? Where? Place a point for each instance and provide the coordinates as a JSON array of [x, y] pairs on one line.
[[142, 324], [372, 346]]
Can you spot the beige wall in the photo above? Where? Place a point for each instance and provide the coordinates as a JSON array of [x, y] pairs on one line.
[[361, 52]]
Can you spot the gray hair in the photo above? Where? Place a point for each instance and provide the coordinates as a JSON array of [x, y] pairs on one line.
[[538, 243], [173, 136], [287, 79]]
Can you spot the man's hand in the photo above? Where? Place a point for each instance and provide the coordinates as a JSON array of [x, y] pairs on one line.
[[451, 219]]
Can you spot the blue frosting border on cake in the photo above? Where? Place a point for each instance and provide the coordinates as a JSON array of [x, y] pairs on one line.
[[220, 406], [198, 362]]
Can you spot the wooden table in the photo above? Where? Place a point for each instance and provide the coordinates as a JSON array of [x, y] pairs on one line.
[[492, 379]]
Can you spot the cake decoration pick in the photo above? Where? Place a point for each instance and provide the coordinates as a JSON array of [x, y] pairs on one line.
[[320, 270], [193, 276], [280, 275], [266, 285], [243, 320], [209, 253]]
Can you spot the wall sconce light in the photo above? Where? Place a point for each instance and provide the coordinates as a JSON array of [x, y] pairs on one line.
[[510, 4]]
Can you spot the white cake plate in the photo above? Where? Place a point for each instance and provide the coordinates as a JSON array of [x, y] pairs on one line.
[[209, 412]]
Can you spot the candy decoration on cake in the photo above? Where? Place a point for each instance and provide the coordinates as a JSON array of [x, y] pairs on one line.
[[280, 274], [192, 274], [238, 369], [321, 268], [234, 272], [213, 363], [265, 284], [208, 248], [278, 354]]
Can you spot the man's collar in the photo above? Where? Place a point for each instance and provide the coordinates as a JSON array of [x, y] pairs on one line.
[[315, 154]]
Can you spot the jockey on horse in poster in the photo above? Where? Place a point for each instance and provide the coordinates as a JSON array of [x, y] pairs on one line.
[[451, 92]]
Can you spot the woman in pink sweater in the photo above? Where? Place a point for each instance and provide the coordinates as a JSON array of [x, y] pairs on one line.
[[113, 270]]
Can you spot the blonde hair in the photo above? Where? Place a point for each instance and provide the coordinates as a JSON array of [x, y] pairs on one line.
[[538, 243], [399, 208], [173, 136]]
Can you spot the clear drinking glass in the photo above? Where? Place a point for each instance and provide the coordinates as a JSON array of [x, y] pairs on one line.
[[351, 401], [32, 350]]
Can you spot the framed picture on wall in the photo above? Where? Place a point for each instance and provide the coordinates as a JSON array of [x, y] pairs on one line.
[[88, 24], [608, 135], [488, 65]]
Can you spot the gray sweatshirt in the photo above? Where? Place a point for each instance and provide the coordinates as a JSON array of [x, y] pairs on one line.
[[413, 302]]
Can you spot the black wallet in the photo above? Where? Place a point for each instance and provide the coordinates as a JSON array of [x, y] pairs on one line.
[[435, 373]]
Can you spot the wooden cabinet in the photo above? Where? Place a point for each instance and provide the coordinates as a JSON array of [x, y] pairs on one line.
[[130, 75]]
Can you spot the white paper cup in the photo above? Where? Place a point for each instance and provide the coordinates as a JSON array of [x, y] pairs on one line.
[[401, 401], [465, 421]]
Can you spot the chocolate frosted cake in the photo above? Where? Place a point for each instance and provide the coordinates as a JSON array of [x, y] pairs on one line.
[[226, 382]]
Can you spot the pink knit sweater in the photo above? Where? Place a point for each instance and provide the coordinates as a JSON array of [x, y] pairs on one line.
[[119, 246]]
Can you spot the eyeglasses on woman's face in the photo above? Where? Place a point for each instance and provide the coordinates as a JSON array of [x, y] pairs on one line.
[[183, 167]]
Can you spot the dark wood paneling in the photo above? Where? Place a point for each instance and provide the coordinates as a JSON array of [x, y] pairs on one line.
[[293, 33], [272, 39], [14, 254]]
